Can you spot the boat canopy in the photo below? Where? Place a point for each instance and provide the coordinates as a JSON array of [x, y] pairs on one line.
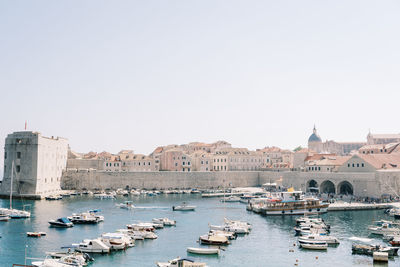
[[64, 220]]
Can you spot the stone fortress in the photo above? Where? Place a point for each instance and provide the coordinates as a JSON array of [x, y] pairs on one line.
[[44, 166]]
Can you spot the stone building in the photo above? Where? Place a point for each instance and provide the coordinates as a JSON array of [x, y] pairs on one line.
[[38, 164], [380, 149], [175, 160], [340, 148], [375, 139], [237, 159]]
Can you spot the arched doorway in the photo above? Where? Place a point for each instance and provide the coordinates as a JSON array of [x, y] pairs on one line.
[[345, 188], [312, 186], [327, 187]]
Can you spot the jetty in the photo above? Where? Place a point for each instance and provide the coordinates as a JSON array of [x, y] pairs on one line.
[[346, 206]]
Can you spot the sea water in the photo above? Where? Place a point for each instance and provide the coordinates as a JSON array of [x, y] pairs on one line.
[[271, 242]]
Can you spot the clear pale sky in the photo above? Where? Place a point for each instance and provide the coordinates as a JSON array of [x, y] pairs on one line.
[[112, 75]]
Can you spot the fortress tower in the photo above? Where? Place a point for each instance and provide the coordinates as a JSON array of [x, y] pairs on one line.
[[38, 164]]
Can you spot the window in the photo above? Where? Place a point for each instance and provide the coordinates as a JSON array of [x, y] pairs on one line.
[[206, 169], [188, 162], [353, 165], [225, 160], [201, 162], [319, 168], [358, 165], [207, 162], [188, 169], [18, 168], [149, 163], [225, 168], [348, 165], [18, 155], [5, 155], [183, 163], [139, 163], [176, 164], [217, 160], [362, 164]]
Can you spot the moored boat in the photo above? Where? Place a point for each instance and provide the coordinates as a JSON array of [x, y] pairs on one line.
[[203, 251], [61, 222], [183, 207]]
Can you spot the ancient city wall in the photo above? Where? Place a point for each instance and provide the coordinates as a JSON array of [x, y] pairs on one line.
[[373, 184], [158, 180]]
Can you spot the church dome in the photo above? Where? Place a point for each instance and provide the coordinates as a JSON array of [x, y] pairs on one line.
[[314, 137]]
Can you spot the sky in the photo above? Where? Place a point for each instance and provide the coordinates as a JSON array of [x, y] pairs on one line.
[[112, 75]]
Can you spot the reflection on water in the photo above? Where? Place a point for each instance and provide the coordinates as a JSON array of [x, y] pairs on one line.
[[269, 243]]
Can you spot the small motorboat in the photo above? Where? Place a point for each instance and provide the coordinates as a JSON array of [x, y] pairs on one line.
[[35, 234], [60, 254], [4, 217], [395, 242], [164, 221], [204, 251], [126, 205], [85, 218], [230, 199], [117, 241], [67, 261], [212, 239], [178, 262], [92, 246], [54, 197], [183, 207], [61, 222], [370, 249]]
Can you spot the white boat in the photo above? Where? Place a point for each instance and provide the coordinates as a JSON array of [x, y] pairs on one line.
[[178, 262], [14, 213], [126, 205], [294, 203], [142, 227], [104, 196], [117, 240], [230, 199], [183, 207], [231, 228], [330, 240], [4, 217], [164, 221], [203, 251], [85, 218], [66, 261], [92, 246], [322, 246], [135, 235], [384, 229]]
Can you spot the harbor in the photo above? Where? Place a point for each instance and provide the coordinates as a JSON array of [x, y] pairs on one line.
[[271, 238]]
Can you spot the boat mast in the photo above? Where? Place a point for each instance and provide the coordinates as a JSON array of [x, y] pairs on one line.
[[11, 186]]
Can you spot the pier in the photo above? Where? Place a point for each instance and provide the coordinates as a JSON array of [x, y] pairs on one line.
[[346, 206]]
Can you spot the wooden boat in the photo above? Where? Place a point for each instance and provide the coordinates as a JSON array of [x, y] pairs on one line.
[[35, 234], [314, 246], [203, 251], [214, 240]]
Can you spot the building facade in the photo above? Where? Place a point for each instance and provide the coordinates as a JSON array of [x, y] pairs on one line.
[[37, 163]]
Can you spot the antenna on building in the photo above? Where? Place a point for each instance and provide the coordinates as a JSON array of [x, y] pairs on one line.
[[25, 125]]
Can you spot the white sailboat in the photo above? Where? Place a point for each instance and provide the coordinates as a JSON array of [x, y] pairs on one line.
[[14, 213]]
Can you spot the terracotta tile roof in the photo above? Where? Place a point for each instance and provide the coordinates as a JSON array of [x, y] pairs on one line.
[[382, 161]]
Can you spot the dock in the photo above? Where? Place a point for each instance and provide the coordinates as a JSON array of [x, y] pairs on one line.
[[222, 194], [346, 206]]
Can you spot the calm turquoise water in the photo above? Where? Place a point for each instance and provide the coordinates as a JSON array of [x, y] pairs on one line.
[[267, 245]]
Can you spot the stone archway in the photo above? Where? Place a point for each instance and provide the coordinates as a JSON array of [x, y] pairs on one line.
[[345, 188], [312, 186], [327, 187]]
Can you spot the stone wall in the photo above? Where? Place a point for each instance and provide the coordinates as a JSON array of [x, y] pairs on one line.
[[373, 184], [159, 180]]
